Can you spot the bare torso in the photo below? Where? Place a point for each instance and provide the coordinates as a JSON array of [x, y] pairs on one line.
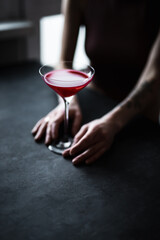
[[119, 38]]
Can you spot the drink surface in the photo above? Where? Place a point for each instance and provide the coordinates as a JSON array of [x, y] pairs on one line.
[[66, 82]]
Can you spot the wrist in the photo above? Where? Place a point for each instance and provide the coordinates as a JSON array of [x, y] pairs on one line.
[[112, 118], [120, 116]]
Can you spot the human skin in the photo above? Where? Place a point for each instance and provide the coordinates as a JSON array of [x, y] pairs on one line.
[[96, 137]]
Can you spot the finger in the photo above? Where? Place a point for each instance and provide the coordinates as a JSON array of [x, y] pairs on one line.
[[36, 127], [41, 131], [80, 134], [95, 156], [87, 154], [55, 129], [66, 153], [48, 137], [85, 142], [76, 123]]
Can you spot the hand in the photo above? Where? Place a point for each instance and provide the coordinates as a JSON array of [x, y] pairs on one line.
[[92, 140], [49, 125]]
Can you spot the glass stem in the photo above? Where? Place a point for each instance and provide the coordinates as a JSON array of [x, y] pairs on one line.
[[66, 121]]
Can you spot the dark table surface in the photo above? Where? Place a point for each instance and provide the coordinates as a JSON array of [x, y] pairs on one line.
[[43, 196]]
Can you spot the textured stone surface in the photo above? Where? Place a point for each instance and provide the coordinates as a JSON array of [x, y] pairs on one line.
[[43, 196]]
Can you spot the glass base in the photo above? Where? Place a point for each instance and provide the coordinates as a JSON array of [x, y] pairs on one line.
[[60, 146]]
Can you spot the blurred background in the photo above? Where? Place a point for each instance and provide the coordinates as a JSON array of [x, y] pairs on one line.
[[32, 30]]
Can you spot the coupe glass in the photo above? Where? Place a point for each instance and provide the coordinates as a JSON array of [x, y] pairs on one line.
[[66, 79]]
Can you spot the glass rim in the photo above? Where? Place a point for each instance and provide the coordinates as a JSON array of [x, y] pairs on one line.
[[92, 70]]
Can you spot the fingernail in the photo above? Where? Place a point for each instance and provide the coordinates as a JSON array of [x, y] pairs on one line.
[[65, 153], [74, 161], [35, 138]]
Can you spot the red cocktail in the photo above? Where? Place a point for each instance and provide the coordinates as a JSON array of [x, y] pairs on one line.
[[66, 82]]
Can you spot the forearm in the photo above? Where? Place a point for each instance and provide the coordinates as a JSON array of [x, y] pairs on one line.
[[139, 102], [144, 98], [72, 21]]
